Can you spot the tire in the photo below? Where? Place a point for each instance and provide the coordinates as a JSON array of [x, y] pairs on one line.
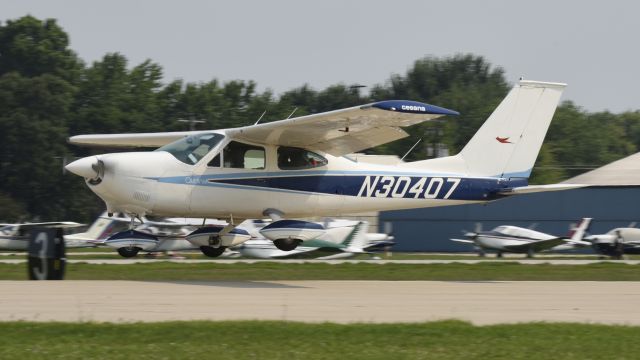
[[211, 251], [286, 244], [128, 252]]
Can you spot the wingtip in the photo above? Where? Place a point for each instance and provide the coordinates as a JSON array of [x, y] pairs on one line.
[[413, 107]]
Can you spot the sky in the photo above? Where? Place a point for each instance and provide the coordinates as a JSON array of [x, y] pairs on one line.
[[284, 44]]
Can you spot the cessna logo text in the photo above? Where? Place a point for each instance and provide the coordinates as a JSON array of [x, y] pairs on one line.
[[408, 187], [413, 108]]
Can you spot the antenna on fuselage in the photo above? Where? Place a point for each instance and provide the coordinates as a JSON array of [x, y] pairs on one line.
[[260, 118], [413, 147]]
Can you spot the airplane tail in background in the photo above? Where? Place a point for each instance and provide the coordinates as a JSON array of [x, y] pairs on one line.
[[508, 142], [577, 234], [357, 239]]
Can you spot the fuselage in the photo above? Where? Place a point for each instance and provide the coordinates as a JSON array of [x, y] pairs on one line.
[[243, 180]]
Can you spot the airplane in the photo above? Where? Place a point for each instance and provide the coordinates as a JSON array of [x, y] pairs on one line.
[[156, 236], [296, 168], [514, 239], [15, 237], [342, 238], [616, 242]]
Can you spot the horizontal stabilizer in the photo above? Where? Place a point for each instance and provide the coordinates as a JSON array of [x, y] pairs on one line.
[[540, 188]]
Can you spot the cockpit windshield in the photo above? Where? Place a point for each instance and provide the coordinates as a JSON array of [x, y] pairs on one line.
[[191, 149]]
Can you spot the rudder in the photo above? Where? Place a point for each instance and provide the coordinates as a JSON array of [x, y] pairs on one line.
[[508, 142]]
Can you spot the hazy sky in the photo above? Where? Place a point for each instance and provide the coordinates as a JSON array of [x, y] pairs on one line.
[[283, 44]]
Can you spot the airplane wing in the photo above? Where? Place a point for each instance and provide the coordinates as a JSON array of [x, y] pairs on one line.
[[537, 246], [150, 140], [463, 241], [345, 131], [55, 224]]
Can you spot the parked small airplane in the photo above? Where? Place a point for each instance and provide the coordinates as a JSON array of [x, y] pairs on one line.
[[15, 237], [342, 238], [296, 168], [151, 236], [616, 242], [506, 238]]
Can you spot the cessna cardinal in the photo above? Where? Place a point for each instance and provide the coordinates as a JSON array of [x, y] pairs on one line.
[[296, 167]]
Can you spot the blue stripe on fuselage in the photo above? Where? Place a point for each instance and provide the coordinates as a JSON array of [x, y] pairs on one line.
[[379, 186]]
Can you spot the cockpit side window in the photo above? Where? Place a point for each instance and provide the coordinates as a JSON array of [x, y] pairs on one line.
[[243, 156], [290, 158], [191, 149]]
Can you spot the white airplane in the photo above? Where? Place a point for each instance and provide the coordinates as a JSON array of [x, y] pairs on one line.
[[151, 236], [296, 168], [616, 242], [15, 237], [514, 239], [342, 238]]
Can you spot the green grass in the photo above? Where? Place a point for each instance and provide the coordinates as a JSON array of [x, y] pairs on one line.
[[288, 340], [488, 271]]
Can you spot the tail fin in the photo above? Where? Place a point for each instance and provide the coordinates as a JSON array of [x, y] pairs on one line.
[[357, 239], [577, 234], [508, 142]]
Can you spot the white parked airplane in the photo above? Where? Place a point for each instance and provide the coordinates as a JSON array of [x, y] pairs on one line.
[[514, 239], [616, 242], [295, 168], [15, 237]]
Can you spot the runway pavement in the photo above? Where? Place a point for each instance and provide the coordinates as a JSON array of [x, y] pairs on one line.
[[320, 301]]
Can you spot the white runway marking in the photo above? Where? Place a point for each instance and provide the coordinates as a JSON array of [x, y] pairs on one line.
[[320, 301]]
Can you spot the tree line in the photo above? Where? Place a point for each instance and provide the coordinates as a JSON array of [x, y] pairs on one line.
[[47, 93]]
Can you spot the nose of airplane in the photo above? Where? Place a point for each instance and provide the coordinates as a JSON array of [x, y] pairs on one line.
[[86, 167]]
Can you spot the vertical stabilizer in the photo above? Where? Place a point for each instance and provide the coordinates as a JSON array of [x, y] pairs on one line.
[[357, 239], [508, 143]]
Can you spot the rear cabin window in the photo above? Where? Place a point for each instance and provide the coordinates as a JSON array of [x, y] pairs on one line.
[[290, 158], [243, 156]]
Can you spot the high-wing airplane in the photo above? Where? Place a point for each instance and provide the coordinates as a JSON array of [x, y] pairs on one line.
[[15, 237], [616, 242], [514, 239], [296, 167], [342, 238]]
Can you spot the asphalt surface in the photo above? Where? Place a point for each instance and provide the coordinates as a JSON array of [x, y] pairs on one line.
[[321, 301]]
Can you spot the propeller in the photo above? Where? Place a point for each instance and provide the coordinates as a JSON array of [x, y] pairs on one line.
[[91, 168]]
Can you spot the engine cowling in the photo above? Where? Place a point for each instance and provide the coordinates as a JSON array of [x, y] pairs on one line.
[[209, 236], [287, 234], [132, 239]]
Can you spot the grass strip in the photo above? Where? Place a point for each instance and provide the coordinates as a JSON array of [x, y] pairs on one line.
[[488, 271], [290, 340]]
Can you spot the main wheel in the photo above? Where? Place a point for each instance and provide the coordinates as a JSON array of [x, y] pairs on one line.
[[287, 244], [211, 251], [128, 252]]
